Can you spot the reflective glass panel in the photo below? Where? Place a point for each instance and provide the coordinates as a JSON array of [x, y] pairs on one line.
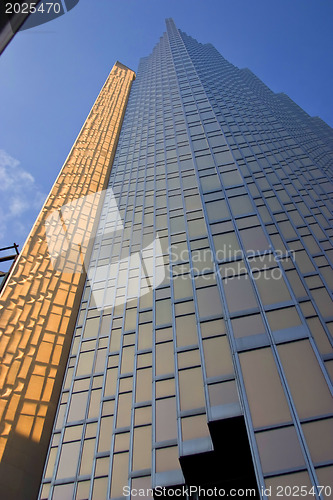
[[308, 387], [264, 390], [166, 419], [279, 449]]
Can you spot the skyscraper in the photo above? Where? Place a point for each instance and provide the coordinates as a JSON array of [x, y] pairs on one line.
[[202, 343]]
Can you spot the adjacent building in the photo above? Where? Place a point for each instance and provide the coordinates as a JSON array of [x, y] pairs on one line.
[[173, 314]]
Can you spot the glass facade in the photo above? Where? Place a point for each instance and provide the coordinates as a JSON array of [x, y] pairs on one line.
[[232, 181], [202, 353], [40, 299]]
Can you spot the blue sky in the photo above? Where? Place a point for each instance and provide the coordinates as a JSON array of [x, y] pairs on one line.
[[51, 75]]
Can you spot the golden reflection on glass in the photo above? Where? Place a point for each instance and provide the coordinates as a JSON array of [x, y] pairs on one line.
[[38, 329]]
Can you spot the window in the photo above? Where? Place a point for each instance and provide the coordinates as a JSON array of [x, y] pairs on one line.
[[142, 448], [195, 427], [217, 357], [217, 210], [241, 205], [271, 286], [248, 325], [319, 437], [239, 293], [209, 302], [230, 178], [166, 459], [166, 419], [68, 460], [210, 183], [163, 312], [119, 474], [77, 407], [254, 239], [223, 393], [124, 410], [197, 227], [305, 379], [164, 358], [279, 449], [190, 399], [182, 286], [297, 479], [263, 387], [186, 330], [143, 385], [226, 246]]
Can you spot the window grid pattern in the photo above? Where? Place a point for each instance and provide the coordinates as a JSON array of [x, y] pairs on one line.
[[39, 302], [207, 164]]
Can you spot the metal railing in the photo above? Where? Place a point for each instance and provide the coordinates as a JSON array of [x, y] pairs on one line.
[[5, 258]]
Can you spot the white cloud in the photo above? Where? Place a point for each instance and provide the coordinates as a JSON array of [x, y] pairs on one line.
[[20, 200]]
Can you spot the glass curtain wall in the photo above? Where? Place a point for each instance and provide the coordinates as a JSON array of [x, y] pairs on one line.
[[206, 318]]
